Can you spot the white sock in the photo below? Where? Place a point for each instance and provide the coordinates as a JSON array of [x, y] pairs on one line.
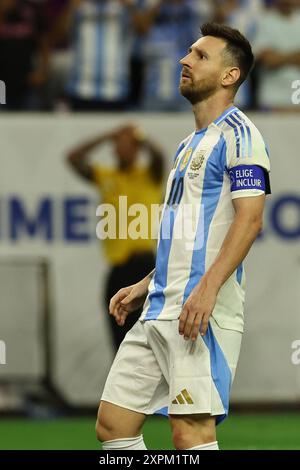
[[128, 443], [209, 446]]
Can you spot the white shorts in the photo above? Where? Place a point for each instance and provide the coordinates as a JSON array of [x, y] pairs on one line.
[[156, 369]]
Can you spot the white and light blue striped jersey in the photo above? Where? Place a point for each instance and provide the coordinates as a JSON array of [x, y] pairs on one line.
[[101, 45], [212, 166]]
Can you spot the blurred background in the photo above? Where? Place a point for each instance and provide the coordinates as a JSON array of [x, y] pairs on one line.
[[89, 111]]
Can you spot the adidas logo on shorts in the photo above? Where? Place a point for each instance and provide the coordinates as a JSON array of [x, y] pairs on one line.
[[184, 398]]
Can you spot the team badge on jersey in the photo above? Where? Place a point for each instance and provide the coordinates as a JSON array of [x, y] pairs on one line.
[[198, 160], [185, 158]]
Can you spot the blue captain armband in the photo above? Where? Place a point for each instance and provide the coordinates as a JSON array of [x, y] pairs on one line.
[[247, 177]]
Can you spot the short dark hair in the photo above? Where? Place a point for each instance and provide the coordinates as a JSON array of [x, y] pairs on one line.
[[237, 46]]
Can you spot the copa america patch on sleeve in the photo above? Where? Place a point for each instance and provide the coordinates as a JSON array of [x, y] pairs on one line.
[[247, 177]]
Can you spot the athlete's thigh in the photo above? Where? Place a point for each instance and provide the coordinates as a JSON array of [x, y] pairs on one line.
[[135, 381]]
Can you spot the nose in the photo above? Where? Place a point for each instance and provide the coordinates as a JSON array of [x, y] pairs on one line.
[[185, 61]]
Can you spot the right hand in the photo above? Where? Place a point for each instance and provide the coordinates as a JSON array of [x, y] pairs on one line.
[[128, 300]]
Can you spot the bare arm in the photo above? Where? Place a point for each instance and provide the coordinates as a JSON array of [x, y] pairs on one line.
[[243, 231], [142, 20], [157, 162], [62, 26], [272, 59], [78, 158]]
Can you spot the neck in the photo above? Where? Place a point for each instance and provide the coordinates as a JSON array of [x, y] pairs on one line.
[[208, 110], [126, 167]]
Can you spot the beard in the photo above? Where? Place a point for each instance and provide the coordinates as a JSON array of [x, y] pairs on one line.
[[195, 92]]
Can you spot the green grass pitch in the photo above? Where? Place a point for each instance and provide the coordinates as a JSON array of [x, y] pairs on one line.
[[239, 431]]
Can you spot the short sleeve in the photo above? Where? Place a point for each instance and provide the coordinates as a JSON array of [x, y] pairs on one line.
[[247, 158]]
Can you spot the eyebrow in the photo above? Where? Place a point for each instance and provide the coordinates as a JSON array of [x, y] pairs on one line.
[[199, 51]]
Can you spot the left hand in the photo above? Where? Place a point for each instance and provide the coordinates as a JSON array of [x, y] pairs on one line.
[[197, 310]]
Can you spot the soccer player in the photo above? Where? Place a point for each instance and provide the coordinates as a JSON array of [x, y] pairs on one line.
[[182, 353]]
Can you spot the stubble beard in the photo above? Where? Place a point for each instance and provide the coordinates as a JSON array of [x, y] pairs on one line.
[[197, 92]]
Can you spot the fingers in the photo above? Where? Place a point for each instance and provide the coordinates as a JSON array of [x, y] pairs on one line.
[[116, 300], [190, 321], [182, 319], [186, 322], [204, 324], [195, 328], [118, 305], [127, 299], [121, 316]]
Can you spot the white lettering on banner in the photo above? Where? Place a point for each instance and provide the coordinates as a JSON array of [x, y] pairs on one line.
[[255, 182], [244, 173], [2, 353], [296, 93], [295, 358], [2, 92]]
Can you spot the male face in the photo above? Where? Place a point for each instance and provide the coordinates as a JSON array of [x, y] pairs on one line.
[[126, 147], [202, 69]]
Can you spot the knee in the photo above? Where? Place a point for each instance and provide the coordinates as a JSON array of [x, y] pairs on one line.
[[181, 438], [104, 431], [185, 435]]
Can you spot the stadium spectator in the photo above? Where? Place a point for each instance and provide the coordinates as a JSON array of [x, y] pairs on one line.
[[60, 57], [243, 15], [278, 52], [24, 53], [101, 37], [129, 259], [170, 27]]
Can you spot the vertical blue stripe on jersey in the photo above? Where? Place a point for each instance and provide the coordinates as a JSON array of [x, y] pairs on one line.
[[240, 119], [239, 273], [243, 135], [220, 371], [157, 297], [212, 187], [180, 148], [237, 137]]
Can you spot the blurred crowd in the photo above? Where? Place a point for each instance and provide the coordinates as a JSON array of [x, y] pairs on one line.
[[124, 54]]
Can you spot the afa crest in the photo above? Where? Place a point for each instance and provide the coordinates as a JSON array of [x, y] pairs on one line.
[[198, 160], [185, 158]]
